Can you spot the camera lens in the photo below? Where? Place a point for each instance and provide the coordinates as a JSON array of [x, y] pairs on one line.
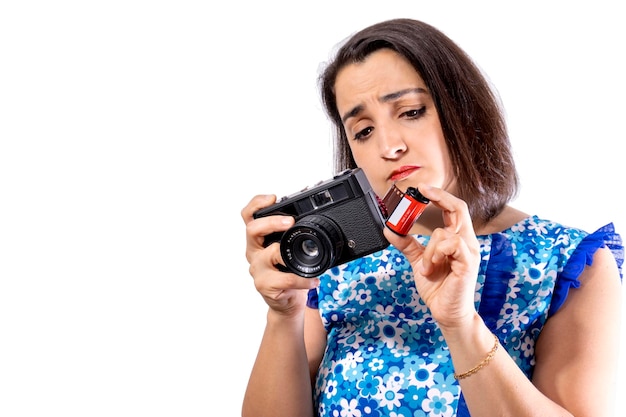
[[311, 246]]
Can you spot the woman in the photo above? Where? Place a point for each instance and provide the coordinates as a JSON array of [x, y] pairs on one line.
[[482, 310]]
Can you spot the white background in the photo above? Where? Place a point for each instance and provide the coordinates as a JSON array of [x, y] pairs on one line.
[[133, 132]]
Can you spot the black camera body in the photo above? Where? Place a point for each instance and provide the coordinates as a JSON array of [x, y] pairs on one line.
[[337, 220]]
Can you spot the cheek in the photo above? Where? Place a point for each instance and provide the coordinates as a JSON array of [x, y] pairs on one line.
[[380, 186], [380, 191], [369, 165], [363, 152]]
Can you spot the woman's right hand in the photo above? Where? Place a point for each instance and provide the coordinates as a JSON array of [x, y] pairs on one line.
[[284, 292]]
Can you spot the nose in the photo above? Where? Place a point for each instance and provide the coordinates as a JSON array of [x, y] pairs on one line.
[[391, 143]]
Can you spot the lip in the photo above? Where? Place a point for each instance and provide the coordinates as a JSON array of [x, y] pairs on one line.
[[403, 172]]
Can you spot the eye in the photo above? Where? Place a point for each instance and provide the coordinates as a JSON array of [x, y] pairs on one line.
[[414, 113], [363, 134]]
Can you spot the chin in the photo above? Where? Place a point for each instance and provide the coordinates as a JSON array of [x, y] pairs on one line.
[[402, 184]]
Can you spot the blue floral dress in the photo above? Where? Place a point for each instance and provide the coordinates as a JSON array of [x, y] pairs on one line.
[[385, 354]]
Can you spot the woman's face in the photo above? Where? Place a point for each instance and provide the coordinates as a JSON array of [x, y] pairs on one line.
[[391, 123]]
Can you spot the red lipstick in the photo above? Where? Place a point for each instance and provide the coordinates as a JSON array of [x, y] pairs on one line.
[[403, 172]]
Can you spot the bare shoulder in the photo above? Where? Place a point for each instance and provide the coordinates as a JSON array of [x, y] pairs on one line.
[[599, 284], [580, 341], [599, 293]]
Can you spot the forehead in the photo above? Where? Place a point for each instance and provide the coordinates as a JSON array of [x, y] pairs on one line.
[[381, 73]]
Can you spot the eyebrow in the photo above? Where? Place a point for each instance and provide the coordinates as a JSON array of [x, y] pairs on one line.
[[383, 99]]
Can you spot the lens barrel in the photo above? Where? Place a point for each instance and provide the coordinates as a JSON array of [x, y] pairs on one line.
[[311, 246]]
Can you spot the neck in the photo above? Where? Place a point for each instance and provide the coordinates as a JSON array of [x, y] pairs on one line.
[[432, 218], [429, 220]]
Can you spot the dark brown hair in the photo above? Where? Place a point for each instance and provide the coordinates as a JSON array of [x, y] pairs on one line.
[[469, 111]]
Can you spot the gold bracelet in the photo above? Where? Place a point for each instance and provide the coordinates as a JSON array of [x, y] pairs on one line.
[[482, 364]]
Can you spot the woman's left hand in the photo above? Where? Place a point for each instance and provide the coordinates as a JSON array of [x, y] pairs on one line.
[[446, 269]]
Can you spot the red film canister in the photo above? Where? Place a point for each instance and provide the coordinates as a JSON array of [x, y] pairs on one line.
[[409, 208]]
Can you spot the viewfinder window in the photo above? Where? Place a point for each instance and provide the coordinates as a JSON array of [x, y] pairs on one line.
[[321, 199]]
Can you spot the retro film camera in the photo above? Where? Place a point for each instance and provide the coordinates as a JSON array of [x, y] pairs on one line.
[[337, 220]]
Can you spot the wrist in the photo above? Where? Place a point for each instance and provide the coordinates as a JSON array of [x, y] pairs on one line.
[[467, 331], [472, 346], [482, 363], [285, 318]]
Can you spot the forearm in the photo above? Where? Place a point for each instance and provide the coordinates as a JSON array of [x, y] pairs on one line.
[[280, 383], [499, 388]]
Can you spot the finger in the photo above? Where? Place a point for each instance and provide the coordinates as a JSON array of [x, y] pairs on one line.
[[257, 230], [447, 248], [453, 248], [268, 277], [429, 258], [279, 281], [256, 203], [408, 245], [456, 215]]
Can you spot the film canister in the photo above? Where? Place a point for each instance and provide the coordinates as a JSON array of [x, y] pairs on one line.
[[408, 209]]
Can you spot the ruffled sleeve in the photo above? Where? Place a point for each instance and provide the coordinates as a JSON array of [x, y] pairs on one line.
[[582, 257]]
